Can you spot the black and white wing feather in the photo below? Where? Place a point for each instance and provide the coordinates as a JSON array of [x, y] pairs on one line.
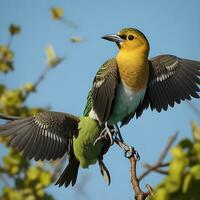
[[46, 135], [104, 90], [172, 79]]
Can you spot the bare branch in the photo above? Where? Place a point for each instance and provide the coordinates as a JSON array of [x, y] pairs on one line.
[[38, 81], [4, 179], [159, 164], [166, 150], [139, 194]]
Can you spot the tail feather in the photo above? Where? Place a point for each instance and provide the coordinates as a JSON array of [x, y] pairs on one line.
[[70, 173]]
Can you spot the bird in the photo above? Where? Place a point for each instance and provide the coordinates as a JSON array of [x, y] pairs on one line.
[[123, 87]]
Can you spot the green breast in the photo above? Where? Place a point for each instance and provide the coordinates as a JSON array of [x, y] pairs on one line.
[[84, 150]]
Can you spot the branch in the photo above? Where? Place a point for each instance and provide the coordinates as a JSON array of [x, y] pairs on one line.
[[133, 158], [4, 180], [38, 81], [160, 163], [139, 194]]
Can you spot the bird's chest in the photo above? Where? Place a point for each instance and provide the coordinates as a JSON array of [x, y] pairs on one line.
[[126, 102]]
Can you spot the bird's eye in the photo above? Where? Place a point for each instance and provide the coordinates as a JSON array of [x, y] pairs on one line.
[[131, 37]]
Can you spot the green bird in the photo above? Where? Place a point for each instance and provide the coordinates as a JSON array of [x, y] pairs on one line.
[[123, 87]]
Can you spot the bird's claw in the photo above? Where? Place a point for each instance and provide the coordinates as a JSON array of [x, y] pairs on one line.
[[130, 151], [105, 134]]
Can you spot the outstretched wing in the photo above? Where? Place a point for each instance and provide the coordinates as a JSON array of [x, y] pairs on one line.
[[46, 135], [102, 95], [172, 79]]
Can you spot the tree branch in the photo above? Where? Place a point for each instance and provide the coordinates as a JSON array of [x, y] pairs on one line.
[[139, 194], [133, 158], [38, 81], [159, 163]]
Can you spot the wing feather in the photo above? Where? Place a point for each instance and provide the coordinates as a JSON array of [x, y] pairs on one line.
[[102, 95], [172, 79], [45, 135]]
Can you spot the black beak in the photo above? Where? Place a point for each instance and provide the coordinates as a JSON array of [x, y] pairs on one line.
[[113, 38]]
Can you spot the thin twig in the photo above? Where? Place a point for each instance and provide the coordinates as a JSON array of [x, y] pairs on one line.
[[166, 149], [10, 41], [69, 23], [139, 194], [160, 163], [38, 81], [155, 168], [4, 180]]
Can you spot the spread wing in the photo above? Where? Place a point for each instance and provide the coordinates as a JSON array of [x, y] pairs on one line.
[[102, 95], [172, 79], [46, 135]]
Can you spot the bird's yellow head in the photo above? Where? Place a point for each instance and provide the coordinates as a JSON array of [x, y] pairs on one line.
[[129, 39]]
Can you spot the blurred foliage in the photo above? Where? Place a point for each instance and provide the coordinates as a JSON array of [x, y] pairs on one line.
[[75, 39], [6, 59], [21, 179], [57, 13], [183, 180], [52, 59], [14, 29]]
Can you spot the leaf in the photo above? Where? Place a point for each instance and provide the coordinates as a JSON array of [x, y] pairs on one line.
[[195, 131], [177, 152], [33, 173], [5, 53], [14, 29], [161, 194], [185, 143], [29, 87], [75, 39], [52, 59], [195, 171], [57, 13], [45, 178], [186, 182]]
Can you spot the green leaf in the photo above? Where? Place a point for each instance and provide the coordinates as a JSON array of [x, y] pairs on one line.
[[177, 152], [195, 131], [52, 59], [45, 178], [14, 29], [195, 171], [33, 173], [57, 13], [75, 39], [185, 143], [186, 182], [161, 194], [29, 87]]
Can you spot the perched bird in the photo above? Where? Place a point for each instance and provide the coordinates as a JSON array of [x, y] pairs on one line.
[[123, 87]]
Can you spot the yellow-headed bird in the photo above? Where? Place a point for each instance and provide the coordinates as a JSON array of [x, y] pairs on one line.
[[123, 87]]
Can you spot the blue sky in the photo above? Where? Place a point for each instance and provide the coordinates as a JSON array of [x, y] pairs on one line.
[[171, 26]]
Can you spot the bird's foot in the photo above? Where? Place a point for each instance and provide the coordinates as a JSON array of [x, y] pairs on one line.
[[128, 150], [106, 133]]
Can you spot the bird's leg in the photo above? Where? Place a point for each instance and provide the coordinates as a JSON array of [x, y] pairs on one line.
[[128, 150], [107, 132], [118, 132]]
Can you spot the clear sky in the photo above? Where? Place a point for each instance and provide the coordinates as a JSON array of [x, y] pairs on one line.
[[171, 26]]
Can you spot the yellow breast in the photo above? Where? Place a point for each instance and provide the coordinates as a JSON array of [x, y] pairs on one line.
[[133, 69]]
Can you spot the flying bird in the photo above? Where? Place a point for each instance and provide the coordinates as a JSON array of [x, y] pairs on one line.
[[123, 87]]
